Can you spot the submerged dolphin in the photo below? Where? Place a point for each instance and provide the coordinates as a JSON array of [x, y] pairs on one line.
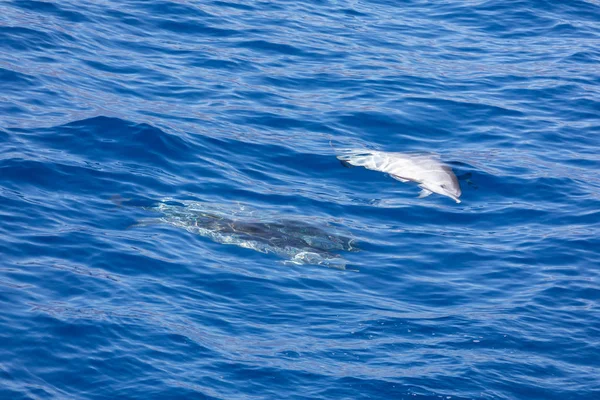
[[425, 169], [299, 242]]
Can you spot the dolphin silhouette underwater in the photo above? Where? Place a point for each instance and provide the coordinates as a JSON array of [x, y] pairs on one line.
[[426, 170], [297, 241]]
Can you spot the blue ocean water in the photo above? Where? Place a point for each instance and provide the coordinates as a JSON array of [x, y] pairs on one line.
[[109, 108]]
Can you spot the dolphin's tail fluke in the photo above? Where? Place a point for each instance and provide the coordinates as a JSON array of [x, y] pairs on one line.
[[118, 200], [373, 160], [145, 222]]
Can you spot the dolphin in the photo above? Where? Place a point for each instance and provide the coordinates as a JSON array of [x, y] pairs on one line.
[[427, 170], [297, 241]]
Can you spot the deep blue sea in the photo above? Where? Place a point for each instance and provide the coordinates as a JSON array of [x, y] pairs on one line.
[[164, 163]]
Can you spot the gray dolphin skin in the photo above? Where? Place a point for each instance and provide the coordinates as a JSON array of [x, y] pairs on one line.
[[296, 241], [426, 170]]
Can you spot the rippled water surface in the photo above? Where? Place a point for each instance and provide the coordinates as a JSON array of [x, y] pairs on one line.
[[109, 109]]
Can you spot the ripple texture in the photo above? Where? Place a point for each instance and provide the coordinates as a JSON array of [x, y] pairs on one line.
[[108, 106]]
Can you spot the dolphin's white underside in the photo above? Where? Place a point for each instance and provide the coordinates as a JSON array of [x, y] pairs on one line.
[[426, 170]]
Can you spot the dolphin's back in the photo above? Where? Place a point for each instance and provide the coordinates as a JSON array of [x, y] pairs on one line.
[[299, 242]]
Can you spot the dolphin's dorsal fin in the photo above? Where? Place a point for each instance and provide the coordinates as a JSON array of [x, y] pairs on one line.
[[346, 164]]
